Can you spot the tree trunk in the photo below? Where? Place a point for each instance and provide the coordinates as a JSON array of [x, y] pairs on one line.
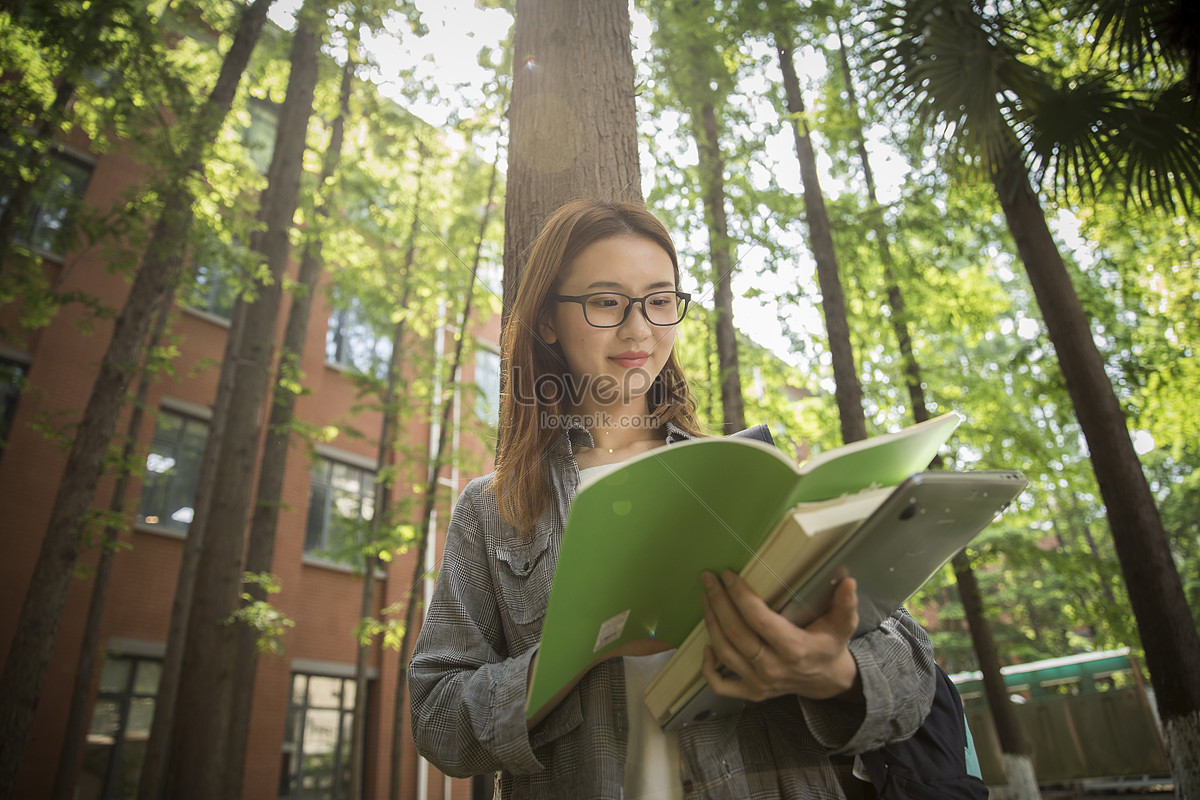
[[1166, 626], [572, 123], [89, 647], [260, 551], [1018, 765], [898, 315], [410, 613], [42, 609], [198, 762], [848, 391], [712, 181], [383, 494], [154, 763]]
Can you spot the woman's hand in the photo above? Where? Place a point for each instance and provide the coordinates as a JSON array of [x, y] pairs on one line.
[[765, 655]]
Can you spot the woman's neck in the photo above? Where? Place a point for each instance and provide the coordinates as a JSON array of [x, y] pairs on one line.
[[619, 431]]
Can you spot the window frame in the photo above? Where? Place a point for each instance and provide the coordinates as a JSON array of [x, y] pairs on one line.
[[190, 415], [347, 317], [12, 390], [29, 229], [366, 471], [124, 698], [487, 396], [292, 774]]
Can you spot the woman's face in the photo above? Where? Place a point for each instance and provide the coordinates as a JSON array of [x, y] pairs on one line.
[[614, 365]]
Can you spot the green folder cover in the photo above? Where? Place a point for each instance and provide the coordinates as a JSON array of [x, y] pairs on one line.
[[637, 539]]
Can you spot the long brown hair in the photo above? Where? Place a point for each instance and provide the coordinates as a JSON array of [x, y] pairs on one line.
[[520, 484]]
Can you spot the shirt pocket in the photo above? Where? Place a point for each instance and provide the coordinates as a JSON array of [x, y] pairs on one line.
[[524, 574]]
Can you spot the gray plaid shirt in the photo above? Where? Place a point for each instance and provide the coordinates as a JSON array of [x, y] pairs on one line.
[[468, 674]]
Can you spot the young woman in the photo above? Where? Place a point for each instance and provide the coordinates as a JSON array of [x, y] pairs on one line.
[[592, 380]]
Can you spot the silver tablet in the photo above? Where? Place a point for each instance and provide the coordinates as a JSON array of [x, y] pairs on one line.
[[910, 536]]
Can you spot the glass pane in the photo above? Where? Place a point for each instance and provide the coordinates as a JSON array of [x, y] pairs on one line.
[[114, 677], [58, 199], [320, 751], [137, 724], [195, 436], [314, 532], [166, 430], [341, 538], [98, 750], [347, 478], [133, 749], [146, 681], [11, 376], [344, 751], [106, 722], [324, 692], [346, 504], [348, 689], [291, 730], [298, 689], [181, 493]]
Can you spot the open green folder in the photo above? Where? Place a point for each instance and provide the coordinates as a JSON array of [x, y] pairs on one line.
[[637, 539]]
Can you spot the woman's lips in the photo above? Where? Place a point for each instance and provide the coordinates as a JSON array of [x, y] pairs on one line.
[[630, 360]]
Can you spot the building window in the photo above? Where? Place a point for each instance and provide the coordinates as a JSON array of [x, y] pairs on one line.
[[172, 471], [487, 384], [116, 741], [259, 135], [316, 741], [352, 341], [341, 502], [49, 222], [212, 290], [12, 378]]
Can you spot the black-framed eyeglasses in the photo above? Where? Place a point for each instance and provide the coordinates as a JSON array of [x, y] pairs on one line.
[[611, 309]]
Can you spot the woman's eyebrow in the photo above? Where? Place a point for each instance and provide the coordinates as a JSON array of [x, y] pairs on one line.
[[618, 286]]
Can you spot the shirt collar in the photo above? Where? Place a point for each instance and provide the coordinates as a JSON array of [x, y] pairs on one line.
[[575, 435]]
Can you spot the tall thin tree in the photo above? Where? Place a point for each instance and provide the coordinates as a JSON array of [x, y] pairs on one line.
[[847, 387], [399, 719], [89, 646], [382, 517], [260, 549], [195, 768], [693, 60]]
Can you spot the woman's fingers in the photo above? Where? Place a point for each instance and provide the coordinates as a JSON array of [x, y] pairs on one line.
[[761, 654], [738, 636]]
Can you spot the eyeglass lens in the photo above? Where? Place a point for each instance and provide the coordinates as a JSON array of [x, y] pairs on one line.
[[608, 310]]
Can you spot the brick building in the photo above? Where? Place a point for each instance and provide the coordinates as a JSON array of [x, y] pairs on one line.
[[299, 739]]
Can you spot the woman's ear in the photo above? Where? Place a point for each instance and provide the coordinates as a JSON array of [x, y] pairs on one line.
[[545, 328]]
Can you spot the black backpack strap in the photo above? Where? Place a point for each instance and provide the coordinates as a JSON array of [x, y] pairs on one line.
[[932, 763]]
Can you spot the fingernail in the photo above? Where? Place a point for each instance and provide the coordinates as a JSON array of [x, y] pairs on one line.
[[709, 581]]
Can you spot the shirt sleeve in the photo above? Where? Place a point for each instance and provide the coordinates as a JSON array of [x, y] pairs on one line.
[[467, 693], [896, 669]]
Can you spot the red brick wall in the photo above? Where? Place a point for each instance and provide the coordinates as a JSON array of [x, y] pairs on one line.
[[323, 601]]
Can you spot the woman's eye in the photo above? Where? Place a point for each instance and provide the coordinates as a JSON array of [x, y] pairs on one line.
[[605, 301], [661, 301]]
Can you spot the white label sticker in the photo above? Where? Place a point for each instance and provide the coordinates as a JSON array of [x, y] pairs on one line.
[[611, 630]]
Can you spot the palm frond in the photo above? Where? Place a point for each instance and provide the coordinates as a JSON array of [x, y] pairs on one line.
[[1144, 36]]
